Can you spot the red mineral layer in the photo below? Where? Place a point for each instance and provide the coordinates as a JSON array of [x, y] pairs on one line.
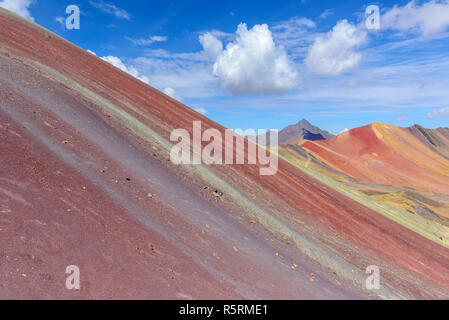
[[85, 180], [389, 155]]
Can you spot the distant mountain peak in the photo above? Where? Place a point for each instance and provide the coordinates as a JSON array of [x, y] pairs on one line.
[[303, 130], [292, 134], [303, 122]]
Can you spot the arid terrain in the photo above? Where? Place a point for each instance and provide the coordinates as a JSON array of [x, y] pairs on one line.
[[86, 179]]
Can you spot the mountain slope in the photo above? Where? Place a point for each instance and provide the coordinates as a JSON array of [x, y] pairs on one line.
[[86, 181], [387, 169], [437, 140], [387, 155]]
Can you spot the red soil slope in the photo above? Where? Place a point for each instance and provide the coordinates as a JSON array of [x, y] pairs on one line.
[[85, 180], [385, 154]]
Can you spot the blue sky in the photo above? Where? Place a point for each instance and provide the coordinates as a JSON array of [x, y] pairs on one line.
[[267, 64]]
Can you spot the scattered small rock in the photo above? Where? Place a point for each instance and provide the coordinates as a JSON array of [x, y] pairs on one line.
[[312, 277], [218, 193]]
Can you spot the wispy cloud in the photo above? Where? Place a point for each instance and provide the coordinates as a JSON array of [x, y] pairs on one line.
[[326, 14], [428, 18], [402, 117], [436, 114], [189, 73], [111, 8], [60, 20], [295, 34], [147, 41], [403, 73]]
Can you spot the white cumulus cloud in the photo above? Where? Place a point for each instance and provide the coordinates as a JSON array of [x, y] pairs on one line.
[[172, 93], [428, 18], [200, 110], [116, 62], [334, 53], [211, 45], [253, 63], [436, 114], [21, 7]]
